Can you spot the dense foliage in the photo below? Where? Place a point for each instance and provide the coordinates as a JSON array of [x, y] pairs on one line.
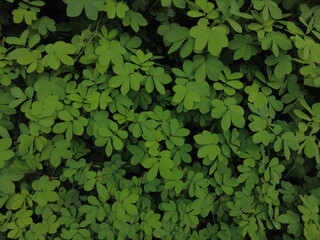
[[167, 119]]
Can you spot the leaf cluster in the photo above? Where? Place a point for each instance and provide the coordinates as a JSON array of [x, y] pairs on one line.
[[168, 119]]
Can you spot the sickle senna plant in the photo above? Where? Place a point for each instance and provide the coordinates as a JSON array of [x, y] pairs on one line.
[[167, 119]]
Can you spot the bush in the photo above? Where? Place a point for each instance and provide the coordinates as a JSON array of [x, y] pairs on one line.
[[167, 119]]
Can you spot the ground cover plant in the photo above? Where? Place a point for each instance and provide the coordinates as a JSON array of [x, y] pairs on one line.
[[167, 119]]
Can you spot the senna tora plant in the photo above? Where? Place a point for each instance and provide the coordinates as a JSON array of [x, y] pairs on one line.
[[164, 119]]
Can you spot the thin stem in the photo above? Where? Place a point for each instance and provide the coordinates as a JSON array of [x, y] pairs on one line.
[[53, 172], [291, 169], [83, 47], [191, 3], [155, 3], [249, 8]]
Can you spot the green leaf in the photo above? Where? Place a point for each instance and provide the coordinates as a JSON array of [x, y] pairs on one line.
[[276, 40], [109, 51], [311, 149], [17, 92], [91, 7], [268, 8], [235, 25], [57, 53], [215, 38], [209, 141], [135, 20], [201, 33], [20, 14], [293, 221], [153, 172], [226, 121], [243, 46], [102, 191], [165, 166]]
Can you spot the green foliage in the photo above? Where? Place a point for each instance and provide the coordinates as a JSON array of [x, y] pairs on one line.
[[168, 119], [229, 111], [91, 8], [5, 144], [57, 53], [214, 37], [44, 190]]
